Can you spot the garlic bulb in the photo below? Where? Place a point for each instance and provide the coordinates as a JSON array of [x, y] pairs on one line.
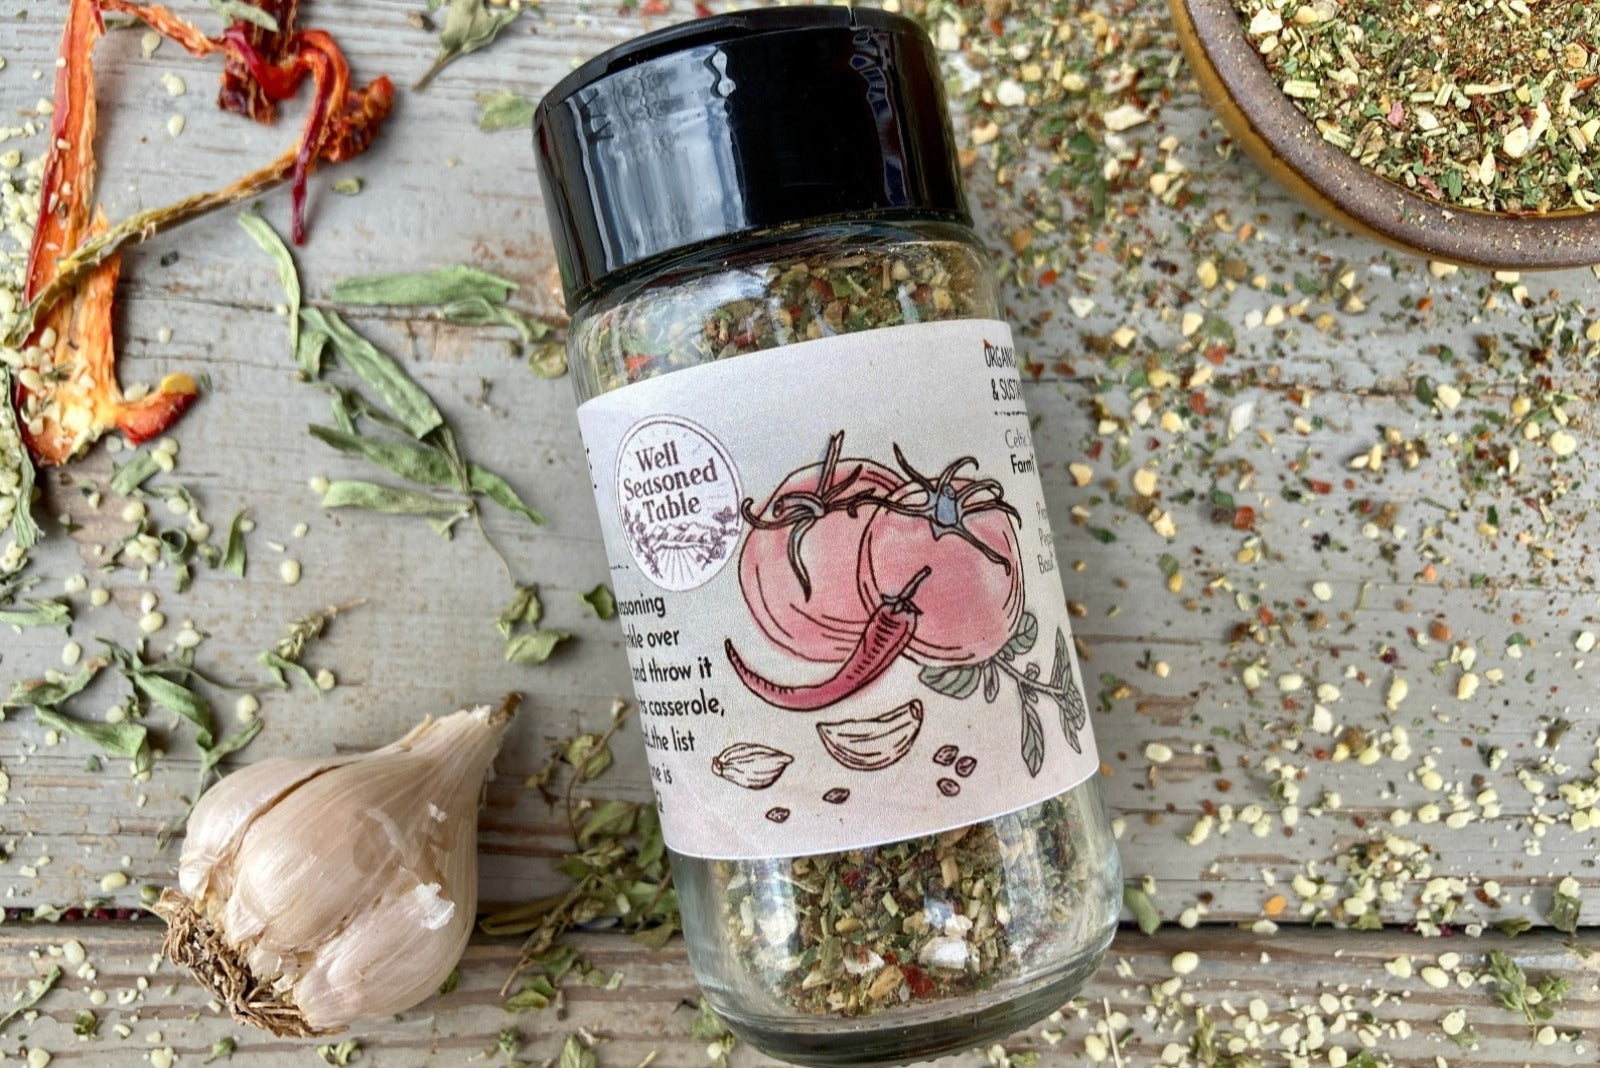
[[313, 893]]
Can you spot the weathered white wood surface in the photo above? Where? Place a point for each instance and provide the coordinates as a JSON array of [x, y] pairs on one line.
[[439, 191], [651, 1012]]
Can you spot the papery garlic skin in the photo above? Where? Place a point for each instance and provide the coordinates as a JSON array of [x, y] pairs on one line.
[[314, 893]]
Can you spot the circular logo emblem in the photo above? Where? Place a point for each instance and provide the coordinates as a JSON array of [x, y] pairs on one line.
[[679, 496]]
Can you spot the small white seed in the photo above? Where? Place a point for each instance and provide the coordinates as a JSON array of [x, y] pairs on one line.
[[289, 571]]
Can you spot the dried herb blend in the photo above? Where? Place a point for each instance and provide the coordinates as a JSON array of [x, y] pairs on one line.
[[1472, 102]]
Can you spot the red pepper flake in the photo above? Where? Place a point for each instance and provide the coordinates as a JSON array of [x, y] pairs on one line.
[[1048, 277], [241, 93], [1319, 486], [654, 7], [918, 981], [1244, 518]]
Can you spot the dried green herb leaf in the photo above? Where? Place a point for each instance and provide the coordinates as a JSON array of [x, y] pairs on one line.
[[1514, 926], [348, 187], [548, 360], [574, 1054], [221, 1049], [125, 740], [707, 1026], [1144, 910], [404, 398], [86, 1024], [267, 239], [34, 994], [505, 110], [243, 11], [450, 983], [537, 993], [1564, 913], [478, 311], [230, 745], [524, 607], [340, 1054], [468, 26], [37, 614], [277, 664], [609, 819], [414, 461], [534, 647], [24, 530], [313, 342], [444, 285], [233, 554], [500, 492], [177, 698], [602, 600], [127, 477], [389, 500], [41, 693]]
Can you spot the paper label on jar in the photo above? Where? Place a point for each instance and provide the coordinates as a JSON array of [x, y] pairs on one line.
[[838, 591]]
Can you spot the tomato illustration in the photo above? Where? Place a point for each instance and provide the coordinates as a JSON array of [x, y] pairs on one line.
[[797, 567], [964, 533]]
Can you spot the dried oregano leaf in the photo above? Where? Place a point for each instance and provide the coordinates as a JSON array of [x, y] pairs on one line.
[[505, 110], [414, 461], [389, 500], [468, 26], [233, 555], [408, 402], [230, 745], [442, 286], [127, 477], [269, 242], [500, 492], [478, 311], [37, 614], [602, 600], [35, 994], [175, 697], [1143, 909], [523, 608], [534, 647]]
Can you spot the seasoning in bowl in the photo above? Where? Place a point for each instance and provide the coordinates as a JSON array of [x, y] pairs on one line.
[[1473, 103]]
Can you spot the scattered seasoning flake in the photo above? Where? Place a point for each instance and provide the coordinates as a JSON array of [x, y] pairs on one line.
[[1158, 753], [1185, 963]]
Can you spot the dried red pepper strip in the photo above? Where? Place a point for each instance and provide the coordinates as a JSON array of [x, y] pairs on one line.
[[67, 396], [67, 393], [887, 634], [241, 93]]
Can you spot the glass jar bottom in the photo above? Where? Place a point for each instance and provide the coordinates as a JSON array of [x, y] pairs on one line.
[[909, 1034]]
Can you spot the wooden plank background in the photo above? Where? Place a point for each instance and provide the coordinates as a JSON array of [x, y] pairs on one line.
[[439, 191]]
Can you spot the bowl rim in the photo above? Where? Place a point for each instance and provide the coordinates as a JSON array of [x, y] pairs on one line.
[[1279, 135]]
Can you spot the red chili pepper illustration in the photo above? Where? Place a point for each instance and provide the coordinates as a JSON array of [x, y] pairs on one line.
[[887, 634]]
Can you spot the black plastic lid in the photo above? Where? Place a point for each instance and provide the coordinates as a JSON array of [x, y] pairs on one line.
[[742, 122]]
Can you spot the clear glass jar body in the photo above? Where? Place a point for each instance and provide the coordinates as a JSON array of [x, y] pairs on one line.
[[823, 959]]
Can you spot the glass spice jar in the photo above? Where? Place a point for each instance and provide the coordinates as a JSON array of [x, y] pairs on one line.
[[831, 556]]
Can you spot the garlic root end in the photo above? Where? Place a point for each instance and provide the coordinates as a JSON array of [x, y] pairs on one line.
[[194, 943]]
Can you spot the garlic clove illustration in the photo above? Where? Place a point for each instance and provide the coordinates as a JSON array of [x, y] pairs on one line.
[[314, 893]]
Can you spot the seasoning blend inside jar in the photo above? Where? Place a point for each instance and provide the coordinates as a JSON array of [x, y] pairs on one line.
[[832, 560]]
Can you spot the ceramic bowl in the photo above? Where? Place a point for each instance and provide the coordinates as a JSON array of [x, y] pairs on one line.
[[1287, 146]]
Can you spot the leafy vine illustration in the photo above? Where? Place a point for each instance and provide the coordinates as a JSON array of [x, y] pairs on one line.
[[963, 680]]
